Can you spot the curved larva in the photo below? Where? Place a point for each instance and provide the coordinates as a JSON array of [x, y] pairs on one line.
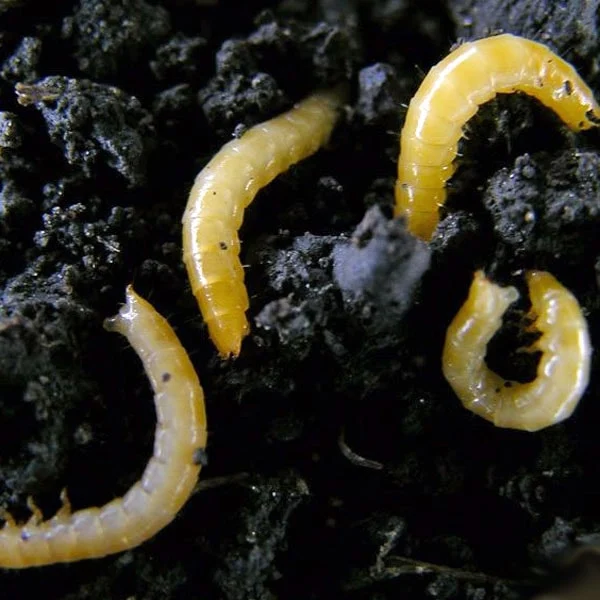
[[169, 477], [221, 192], [451, 94], [563, 370]]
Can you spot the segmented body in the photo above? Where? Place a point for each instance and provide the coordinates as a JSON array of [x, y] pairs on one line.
[[221, 192], [451, 94], [169, 477], [563, 370]]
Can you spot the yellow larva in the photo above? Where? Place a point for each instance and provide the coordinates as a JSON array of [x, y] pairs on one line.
[[451, 94], [564, 367], [221, 192], [168, 479]]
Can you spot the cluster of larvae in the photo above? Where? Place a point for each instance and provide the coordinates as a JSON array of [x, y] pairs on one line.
[[448, 97]]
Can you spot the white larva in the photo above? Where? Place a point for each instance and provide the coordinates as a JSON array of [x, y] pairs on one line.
[[563, 370], [221, 192], [452, 93], [169, 477]]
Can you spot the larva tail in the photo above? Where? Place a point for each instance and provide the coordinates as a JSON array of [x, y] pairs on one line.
[[420, 207], [227, 333]]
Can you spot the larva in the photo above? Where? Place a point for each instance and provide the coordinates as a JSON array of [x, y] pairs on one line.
[[563, 370], [169, 477], [221, 192], [451, 94]]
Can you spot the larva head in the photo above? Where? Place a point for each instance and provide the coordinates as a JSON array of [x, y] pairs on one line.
[[490, 301], [578, 107], [120, 322], [558, 85], [141, 324], [575, 102], [463, 358]]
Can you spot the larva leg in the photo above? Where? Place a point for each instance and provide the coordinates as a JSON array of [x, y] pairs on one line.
[[9, 520], [65, 509], [563, 370], [36, 514], [451, 94], [221, 192], [168, 480]]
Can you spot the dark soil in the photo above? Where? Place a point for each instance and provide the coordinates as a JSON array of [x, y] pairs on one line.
[[128, 99]]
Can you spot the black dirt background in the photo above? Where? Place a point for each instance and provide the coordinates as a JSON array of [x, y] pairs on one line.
[[124, 102]]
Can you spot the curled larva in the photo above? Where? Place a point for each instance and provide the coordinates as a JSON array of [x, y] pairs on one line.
[[221, 192], [564, 366], [169, 477], [451, 94]]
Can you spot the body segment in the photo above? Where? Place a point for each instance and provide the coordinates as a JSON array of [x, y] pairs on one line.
[[451, 94], [221, 192], [167, 481], [563, 369]]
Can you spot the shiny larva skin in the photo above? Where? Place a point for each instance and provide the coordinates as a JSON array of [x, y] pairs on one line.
[[451, 94], [563, 370], [221, 192], [169, 477]]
